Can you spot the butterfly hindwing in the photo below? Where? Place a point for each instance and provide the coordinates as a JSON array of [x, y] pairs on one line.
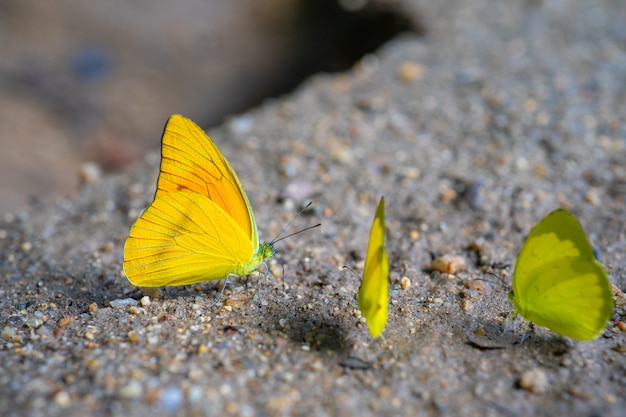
[[557, 282], [183, 238]]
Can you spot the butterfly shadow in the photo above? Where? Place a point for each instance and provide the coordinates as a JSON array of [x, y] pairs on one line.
[[317, 329], [494, 335]]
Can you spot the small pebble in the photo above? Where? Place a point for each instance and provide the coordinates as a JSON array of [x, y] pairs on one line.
[[476, 286], [411, 71], [619, 348], [145, 301], [477, 245], [535, 381], [64, 322], [610, 398], [133, 337], [90, 334], [620, 325], [132, 390], [33, 323], [108, 247], [237, 300], [62, 399], [89, 173], [123, 302], [405, 283], [448, 195], [8, 333], [93, 307], [449, 264], [171, 399], [136, 310]]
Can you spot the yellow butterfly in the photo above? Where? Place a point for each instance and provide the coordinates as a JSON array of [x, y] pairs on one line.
[[557, 282], [374, 292], [200, 225]]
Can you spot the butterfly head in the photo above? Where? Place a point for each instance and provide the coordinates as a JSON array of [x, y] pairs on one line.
[[265, 251]]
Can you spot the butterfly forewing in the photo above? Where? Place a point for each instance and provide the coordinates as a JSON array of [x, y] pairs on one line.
[[191, 162], [373, 292]]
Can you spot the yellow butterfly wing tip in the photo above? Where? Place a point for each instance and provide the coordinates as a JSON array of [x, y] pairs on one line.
[[192, 162], [200, 225], [373, 296], [558, 283]]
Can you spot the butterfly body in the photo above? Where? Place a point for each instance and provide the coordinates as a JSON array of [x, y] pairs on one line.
[[200, 225], [558, 283]]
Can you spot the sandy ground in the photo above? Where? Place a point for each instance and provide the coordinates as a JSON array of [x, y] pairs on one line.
[[473, 133]]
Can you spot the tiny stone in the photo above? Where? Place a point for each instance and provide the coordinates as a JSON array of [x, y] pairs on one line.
[[26, 246], [93, 307], [89, 173], [8, 333], [133, 337], [449, 264], [171, 399], [122, 302], [33, 323], [535, 381], [411, 71], [405, 283], [64, 322], [132, 390], [476, 285], [108, 247], [145, 301], [62, 399]]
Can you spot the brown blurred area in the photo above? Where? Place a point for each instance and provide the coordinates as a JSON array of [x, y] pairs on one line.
[[96, 81]]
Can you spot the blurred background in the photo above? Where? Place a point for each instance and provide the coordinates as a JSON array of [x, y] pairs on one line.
[[96, 80]]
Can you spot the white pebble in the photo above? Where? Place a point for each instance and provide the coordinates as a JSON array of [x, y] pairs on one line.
[[535, 381]]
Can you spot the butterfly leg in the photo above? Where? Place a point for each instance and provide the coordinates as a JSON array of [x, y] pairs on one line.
[[224, 283]]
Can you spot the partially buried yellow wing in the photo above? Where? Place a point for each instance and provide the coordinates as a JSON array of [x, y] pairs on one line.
[[374, 292], [558, 283], [200, 225]]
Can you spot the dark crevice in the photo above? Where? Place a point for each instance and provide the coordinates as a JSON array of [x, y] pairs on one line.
[[325, 37]]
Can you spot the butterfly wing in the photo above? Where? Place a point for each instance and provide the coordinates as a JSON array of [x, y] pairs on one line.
[[374, 292], [190, 161], [557, 282], [183, 238]]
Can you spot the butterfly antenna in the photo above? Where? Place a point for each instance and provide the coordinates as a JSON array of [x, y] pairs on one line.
[[351, 270], [499, 282], [278, 238]]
